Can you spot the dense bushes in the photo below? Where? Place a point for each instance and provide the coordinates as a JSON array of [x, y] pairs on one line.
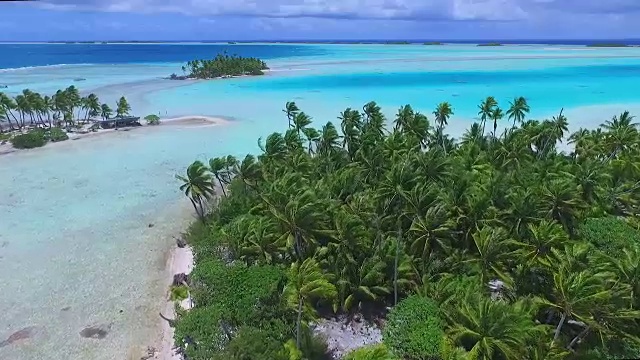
[[56, 134], [373, 215], [238, 290], [414, 329], [373, 352], [32, 139], [38, 138], [609, 234]]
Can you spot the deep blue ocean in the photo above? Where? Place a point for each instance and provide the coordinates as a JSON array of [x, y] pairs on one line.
[[39, 54], [28, 55]]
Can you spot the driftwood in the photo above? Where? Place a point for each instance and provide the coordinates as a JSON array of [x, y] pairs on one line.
[[172, 322], [180, 242]]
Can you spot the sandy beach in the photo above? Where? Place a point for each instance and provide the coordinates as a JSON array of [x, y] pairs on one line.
[[180, 261], [187, 121]]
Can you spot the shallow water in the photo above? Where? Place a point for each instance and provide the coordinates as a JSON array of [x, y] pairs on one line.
[[76, 249]]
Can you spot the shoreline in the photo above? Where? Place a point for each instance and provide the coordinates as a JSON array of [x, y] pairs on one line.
[[181, 260], [189, 121]]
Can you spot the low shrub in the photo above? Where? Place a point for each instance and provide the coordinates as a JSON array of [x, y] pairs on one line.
[[152, 119], [372, 352], [178, 293], [414, 329], [609, 234], [56, 134], [32, 139], [252, 343]]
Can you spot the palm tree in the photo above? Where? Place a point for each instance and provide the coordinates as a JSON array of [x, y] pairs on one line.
[[492, 245], [575, 295], [443, 112], [433, 231], [105, 112], [93, 106], [123, 107], [197, 186], [306, 283], [217, 166], [496, 115], [490, 329], [7, 104], [291, 109], [518, 109], [486, 110]]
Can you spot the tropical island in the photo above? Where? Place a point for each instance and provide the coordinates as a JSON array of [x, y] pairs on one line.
[[433, 43], [490, 44], [405, 243], [222, 66], [30, 120]]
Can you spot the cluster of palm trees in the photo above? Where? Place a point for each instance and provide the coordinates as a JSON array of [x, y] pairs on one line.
[[224, 65], [64, 108], [365, 216]]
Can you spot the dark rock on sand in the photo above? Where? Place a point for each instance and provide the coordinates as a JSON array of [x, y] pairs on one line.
[[95, 332], [181, 242], [180, 279], [22, 334]]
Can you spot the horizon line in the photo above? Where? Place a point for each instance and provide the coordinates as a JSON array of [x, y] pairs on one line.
[[470, 40]]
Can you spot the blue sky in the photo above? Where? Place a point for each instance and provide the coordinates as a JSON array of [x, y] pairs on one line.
[[318, 19]]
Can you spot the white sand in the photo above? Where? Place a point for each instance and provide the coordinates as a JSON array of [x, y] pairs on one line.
[[344, 336], [182, 121]]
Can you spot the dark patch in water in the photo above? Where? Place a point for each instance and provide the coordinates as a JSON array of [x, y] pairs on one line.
[[4, 244], [22, 334], [66, 308], [95, 332]]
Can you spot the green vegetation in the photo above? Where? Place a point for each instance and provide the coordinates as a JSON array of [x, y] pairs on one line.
[[433, 43], [224, 65], [490, 44], [373, 352], [490, 246], [178, 293], [152, 119], [398, 43], [609, 235], [32, 119], [607, 45], [32, 139], [414, 329], [56, 134]]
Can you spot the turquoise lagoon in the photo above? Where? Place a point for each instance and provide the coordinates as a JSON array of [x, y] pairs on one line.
[[76, 245]]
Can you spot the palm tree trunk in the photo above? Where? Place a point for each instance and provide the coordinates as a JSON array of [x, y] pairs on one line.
[[298, 322], [559, 327], [10, 123], [395, 266], [14, 118], [221, 185], [579, 337]]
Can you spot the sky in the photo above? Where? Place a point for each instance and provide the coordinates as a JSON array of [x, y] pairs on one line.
[[51, 20]]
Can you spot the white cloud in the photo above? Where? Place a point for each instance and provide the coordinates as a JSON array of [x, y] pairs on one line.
[[362, 9]]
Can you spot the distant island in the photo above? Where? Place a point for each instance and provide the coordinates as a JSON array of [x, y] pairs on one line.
[[222, 66], [607, 45], [397, 43], [490, 44], [31, 120], [433, 43]]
